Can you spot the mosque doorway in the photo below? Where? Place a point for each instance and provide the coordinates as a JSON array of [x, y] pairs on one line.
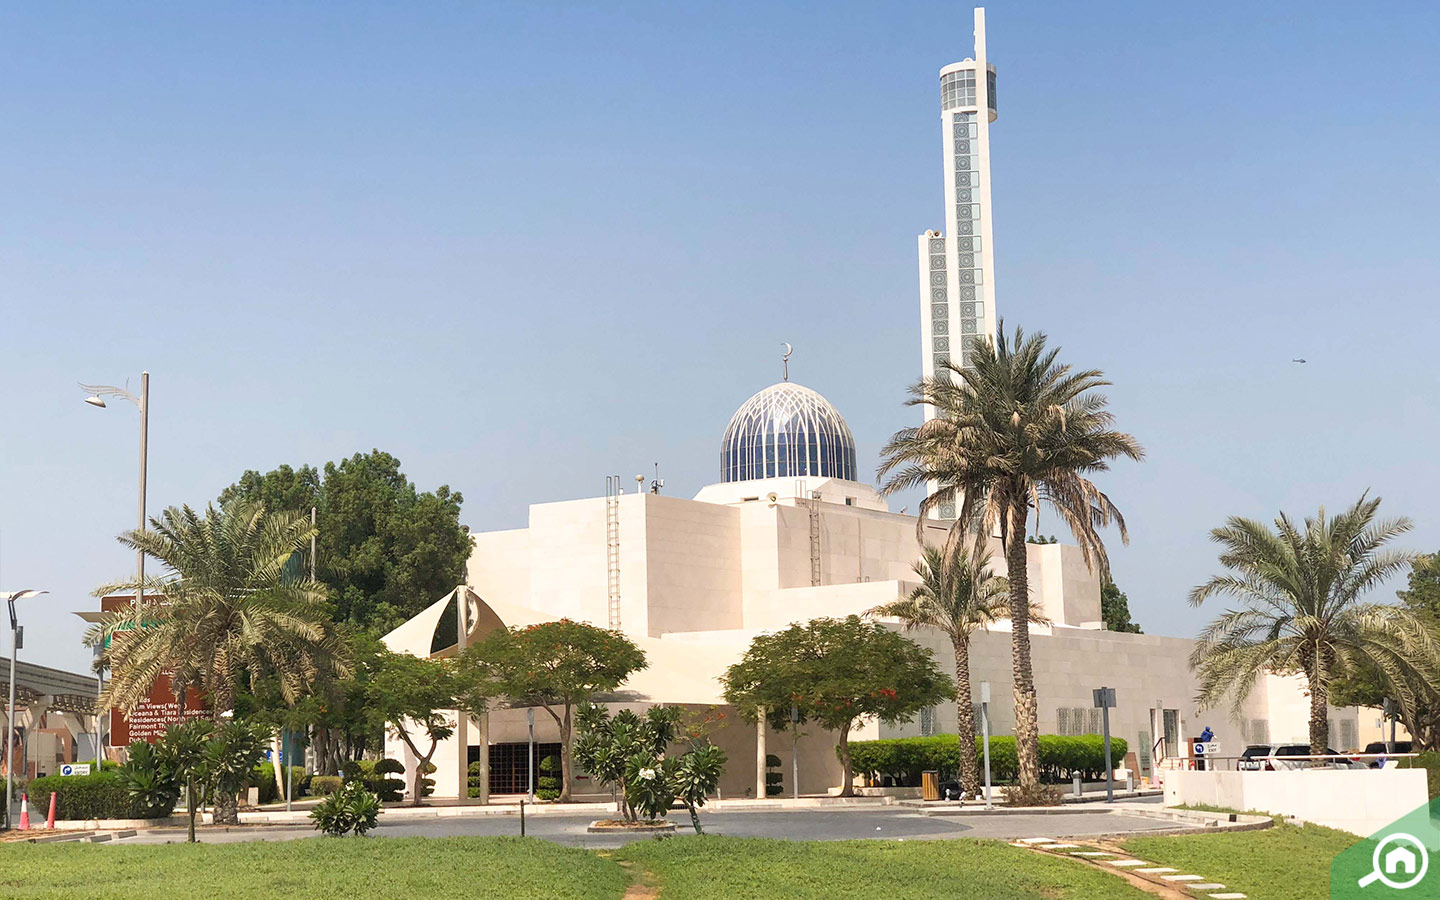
[[509, 770]]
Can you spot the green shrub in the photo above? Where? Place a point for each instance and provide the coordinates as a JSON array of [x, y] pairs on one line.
[[547, 795], [351, 809], [550, 765], [1061, 757], [1430, 762], [263, 779], [100, 795], [547, 783], [326, 785]]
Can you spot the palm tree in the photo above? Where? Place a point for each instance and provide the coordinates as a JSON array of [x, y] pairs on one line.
[[1013, 429], [225, 613], [1299, 587], [957, 596]]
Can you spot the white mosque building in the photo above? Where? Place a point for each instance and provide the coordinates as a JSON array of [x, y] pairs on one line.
[[789, 533]]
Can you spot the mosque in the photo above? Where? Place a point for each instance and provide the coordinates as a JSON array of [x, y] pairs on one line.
[[789, 533], [786, 535]]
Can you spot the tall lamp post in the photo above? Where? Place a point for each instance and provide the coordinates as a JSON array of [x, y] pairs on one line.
[[98, 393], [10, 597]]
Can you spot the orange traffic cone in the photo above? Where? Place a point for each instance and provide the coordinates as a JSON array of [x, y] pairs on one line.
[[24, 812], [50, 819]]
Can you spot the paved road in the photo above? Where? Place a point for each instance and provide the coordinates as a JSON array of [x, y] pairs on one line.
[[810, 825]]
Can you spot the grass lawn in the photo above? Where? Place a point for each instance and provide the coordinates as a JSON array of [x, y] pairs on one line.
[[315, 869], [714, 867], [1280, 863]]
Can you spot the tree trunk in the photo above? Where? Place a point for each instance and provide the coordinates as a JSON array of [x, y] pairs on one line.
[[565, 756], [965, 718], [1027, 728], [190, 808], [227, 807], [1319, 717], [694, 817], [847, 783], [278, 749]]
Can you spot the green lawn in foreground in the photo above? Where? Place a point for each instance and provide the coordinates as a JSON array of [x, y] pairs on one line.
[[315, 869], [1281, 863], [714, 867]]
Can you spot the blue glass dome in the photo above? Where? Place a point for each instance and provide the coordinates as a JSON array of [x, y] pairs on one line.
[[786, 430]]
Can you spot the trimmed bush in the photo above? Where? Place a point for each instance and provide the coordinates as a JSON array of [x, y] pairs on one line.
[[1061, 757], [352, 810], [100, 795], [263, 779], [325, 785], [1430, 762], [547, 795]]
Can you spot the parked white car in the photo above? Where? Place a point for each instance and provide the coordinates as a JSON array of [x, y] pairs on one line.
[[1275, 757]]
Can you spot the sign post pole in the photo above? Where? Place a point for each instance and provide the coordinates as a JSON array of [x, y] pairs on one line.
[[1105, 698]]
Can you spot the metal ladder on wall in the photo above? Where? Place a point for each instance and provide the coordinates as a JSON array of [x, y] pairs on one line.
[[612, 548], [814, 504]]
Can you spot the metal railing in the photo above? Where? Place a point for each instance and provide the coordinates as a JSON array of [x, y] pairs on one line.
[[1212, 763]]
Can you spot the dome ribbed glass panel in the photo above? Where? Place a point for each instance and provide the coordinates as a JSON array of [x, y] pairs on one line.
[[787, 430]]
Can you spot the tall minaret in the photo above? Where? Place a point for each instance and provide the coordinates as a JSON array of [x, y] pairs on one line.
[[957, 266]]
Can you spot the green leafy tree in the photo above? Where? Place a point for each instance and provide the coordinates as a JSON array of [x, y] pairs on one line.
[[385, 549], [1115, 609], [1366, 685], [232, 752], [183, 750], [410, 696], [835, 671], [606, 745], [557, 666], [1013, 428], [1299, 589], [220, 613], [955, 596], [695, 777]]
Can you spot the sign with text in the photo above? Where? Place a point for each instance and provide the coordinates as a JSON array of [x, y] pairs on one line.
[[147, 721], [75, 769]]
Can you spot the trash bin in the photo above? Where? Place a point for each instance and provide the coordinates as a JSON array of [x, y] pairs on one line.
[[930, 785]]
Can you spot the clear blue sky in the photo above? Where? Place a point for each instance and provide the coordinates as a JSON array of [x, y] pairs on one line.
[[523, 246]]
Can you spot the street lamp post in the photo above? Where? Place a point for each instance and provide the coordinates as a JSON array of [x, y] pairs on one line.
[[97, 394], [10, 597]]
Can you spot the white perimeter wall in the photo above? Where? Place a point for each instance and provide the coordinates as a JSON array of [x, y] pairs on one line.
[[1359, 801]]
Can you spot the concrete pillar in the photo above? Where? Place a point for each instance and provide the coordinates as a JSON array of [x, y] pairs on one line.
[[462, 723], [760, 755], [484, 724]]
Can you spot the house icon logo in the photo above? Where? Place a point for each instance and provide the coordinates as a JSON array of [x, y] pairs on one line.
[[1400, 862]]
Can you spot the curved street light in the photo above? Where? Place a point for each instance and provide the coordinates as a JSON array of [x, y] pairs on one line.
[[98, 393], [10, 597]]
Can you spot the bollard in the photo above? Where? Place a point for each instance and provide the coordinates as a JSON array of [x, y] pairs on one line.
[[522, 818], [24, 812], [1077, 787], [50, 819], [1130, 781]]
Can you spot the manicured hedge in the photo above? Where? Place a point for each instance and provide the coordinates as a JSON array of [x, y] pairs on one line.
[[101, 795], [903, 759], [1430, 762], [264, 778], [325, 785]]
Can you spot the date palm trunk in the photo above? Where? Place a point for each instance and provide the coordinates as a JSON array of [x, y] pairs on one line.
[[1027, 728], [1319, 714], [965, 718]]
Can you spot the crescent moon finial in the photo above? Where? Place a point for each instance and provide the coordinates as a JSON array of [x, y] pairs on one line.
[[785, 359]]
